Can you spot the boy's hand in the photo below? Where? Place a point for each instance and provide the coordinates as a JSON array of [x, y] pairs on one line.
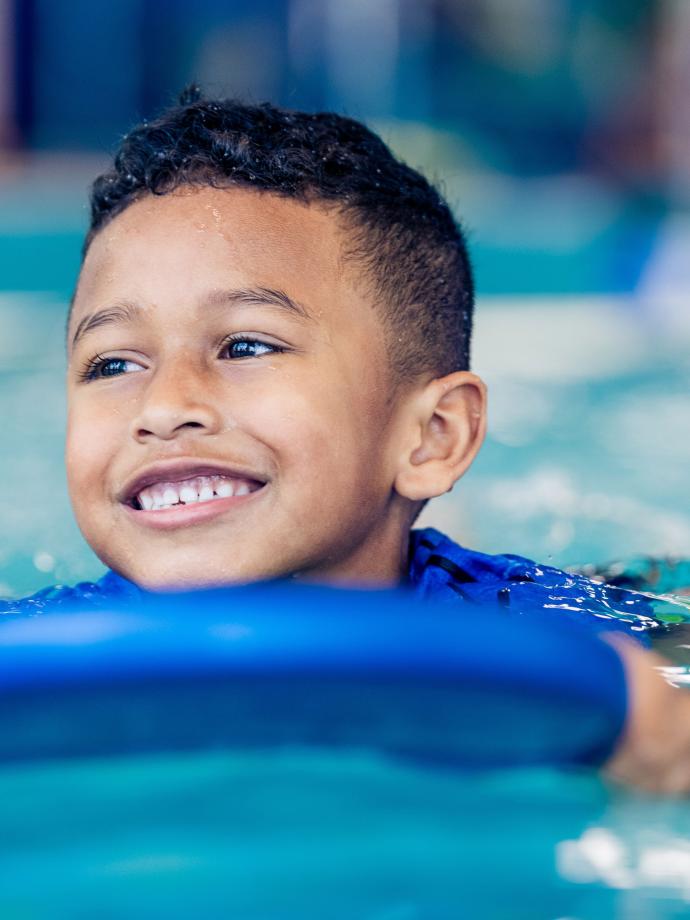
[[654, 750]]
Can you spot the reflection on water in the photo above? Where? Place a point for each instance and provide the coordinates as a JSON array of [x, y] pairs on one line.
[[643, 861]]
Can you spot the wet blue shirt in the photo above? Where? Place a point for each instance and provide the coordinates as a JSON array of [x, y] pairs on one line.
[[439, 570], [444, 571]]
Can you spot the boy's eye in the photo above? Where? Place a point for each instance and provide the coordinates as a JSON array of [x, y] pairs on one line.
[[109, 367], [246, 347], [239, 346]]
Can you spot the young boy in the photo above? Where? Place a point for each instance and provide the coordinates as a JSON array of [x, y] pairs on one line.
[[269, 376]]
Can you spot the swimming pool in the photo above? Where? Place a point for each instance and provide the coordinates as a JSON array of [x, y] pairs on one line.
[[585, 462], [307, 834], [163, 785]]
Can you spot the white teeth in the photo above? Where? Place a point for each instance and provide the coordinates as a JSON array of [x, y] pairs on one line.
[[163, 495], [188, 494], [205, 493], [171, 496]]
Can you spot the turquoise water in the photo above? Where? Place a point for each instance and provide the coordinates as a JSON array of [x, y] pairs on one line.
[[304, 834]]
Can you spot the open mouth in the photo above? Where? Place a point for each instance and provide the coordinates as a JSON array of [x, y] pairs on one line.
[[196, 490]]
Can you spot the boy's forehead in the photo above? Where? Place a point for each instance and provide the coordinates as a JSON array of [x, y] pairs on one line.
[[256, 237], [239, 224]]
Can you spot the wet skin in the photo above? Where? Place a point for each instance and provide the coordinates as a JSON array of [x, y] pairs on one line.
[[294, 397]]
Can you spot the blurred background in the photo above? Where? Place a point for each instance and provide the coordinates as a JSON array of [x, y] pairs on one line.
[[559, 131]]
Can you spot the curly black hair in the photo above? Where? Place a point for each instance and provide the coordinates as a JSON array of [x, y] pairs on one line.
[[398, 227]]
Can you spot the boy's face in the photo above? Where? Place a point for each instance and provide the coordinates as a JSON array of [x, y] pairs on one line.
[[218, 429]]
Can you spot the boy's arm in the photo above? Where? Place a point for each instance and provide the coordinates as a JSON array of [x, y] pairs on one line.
[[654, 750]]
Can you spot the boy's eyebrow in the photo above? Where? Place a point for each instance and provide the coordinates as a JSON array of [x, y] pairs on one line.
[[258, 296], [125, 311]]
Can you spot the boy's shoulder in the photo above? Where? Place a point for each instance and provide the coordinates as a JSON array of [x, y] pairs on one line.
[[443, 570]]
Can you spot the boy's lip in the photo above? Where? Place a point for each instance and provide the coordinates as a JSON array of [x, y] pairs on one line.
[[178, 470]]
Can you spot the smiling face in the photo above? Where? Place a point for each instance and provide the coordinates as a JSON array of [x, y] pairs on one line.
[[229, 394]]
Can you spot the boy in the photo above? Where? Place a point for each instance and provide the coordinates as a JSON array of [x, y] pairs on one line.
[[268, 376]]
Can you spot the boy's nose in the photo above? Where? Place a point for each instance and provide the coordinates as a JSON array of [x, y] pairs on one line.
[[175, 402]]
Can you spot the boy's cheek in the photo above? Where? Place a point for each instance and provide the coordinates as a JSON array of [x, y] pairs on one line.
[[86, 454]]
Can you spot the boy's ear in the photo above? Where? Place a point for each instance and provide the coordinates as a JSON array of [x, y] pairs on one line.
[[447, 424]]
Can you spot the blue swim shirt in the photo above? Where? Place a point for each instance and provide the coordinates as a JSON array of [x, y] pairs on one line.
[[439, 570]]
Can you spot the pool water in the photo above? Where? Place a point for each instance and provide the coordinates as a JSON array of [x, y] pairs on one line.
[[306, 834]]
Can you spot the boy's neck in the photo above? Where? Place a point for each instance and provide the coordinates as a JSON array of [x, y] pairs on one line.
[[380, 562]]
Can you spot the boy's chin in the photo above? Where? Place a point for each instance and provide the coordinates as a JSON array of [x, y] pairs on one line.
[[165, 584], [165, 576], [190, 567], [162, 577]]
